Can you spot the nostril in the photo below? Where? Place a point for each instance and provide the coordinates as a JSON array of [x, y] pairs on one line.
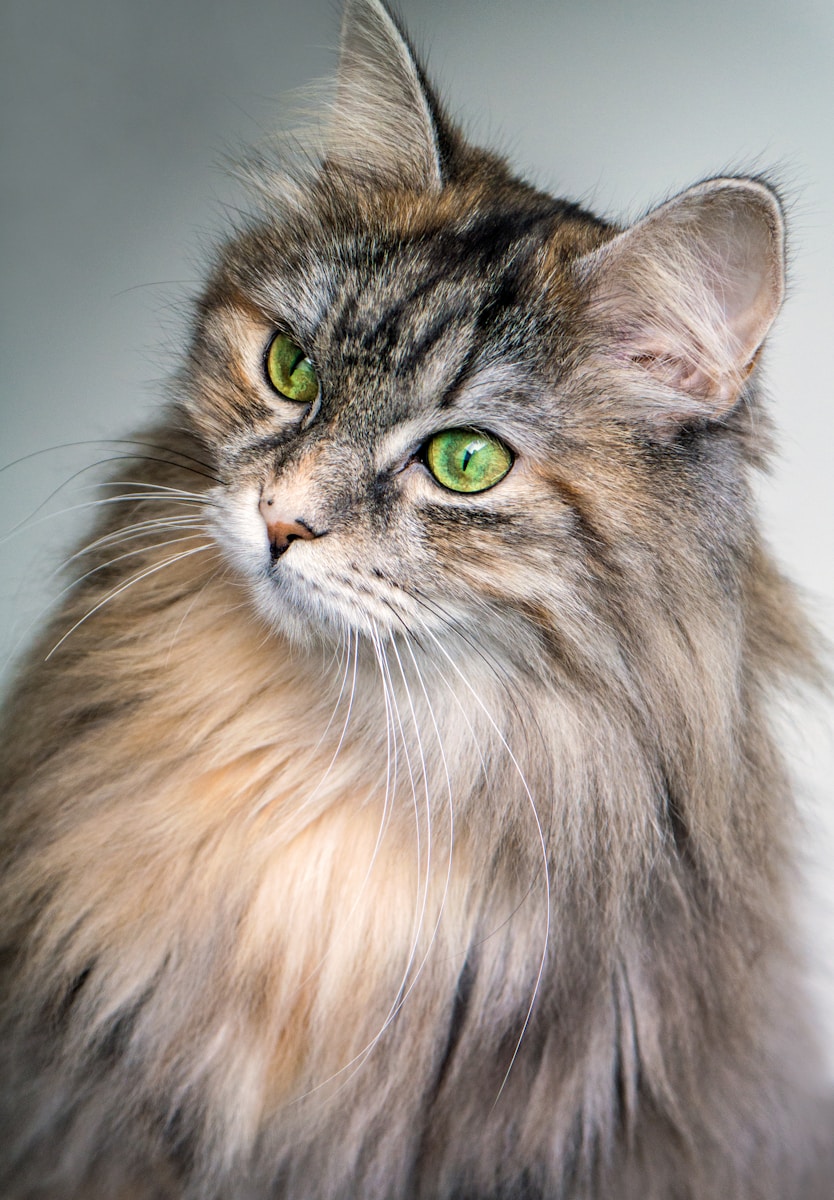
[[282, 533], [266, 503]]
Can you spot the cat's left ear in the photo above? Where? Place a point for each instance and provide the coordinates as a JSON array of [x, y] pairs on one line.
[[687, 295], [385, 122]]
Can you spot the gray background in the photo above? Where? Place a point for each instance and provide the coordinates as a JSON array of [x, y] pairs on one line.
[[116, 115]]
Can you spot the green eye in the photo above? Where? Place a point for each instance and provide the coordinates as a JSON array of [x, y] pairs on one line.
[[467, 461], [290, 371]]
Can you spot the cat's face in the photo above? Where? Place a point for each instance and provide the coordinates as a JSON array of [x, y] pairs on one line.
[[423, 463], [438, 398]]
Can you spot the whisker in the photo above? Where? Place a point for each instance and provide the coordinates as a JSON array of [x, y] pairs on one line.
[[391, 753], [344, 651], [485, 771], [154, 487], [129, 533], [338, 652], [346, 920], [187, 612], [123, 587], [448, 878], [528, 719], [102, 463], [127, 554], [350, 1068], [411, 771], [80, 579], [343, 734], [422, 889], [101, 501], [118, 442], [542, 844], [309, 799], [465, 634]]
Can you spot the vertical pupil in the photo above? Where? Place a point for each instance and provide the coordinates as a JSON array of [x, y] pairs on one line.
[[290, 371], [467, 454]]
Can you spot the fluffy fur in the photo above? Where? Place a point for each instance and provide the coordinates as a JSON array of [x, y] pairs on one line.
[[446, 854]]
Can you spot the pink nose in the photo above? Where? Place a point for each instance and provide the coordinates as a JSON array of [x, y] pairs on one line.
[[280, 532]]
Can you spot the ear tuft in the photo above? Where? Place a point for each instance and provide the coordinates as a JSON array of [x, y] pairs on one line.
[[689, 293], [384, 122]]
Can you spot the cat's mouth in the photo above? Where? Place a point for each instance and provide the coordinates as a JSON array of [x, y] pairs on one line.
[[332, 598], [310, 580]]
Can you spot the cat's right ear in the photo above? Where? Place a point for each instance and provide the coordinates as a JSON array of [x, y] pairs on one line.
[[683, 299], [385, 124]]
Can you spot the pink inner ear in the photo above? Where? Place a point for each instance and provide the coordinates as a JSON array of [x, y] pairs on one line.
[[742, 275], [689, 293], [678, 373]]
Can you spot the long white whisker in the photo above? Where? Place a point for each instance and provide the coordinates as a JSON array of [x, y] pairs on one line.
[[108, 483], [123, 587], [465, 634], [129, 533], [487, 782], [338, 652], [369, 871], [187, 612], [343, 734], [111, 562], [120, 442], [75, 582], [346, 653], [309, 799], [474, 642], [412, 779], [422, 888], [542, 844], [440, 747], [404, 991], [391, 751], [102, 500], [361, 1055], [183, 493]]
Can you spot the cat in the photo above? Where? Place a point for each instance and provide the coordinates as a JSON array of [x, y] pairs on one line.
[[391, 809]]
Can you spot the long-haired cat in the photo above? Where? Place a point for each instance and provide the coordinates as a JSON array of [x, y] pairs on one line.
[[391, 809]]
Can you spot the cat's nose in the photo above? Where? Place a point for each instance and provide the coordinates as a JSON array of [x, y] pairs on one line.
[[280, 531]]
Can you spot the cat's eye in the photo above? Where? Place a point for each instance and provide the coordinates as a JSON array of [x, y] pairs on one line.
[[465, 460], [290, 371]]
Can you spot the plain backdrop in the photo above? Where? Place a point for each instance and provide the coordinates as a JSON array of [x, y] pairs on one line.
[[116, 116]]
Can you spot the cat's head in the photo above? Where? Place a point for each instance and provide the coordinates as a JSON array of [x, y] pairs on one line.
[[440, 397]]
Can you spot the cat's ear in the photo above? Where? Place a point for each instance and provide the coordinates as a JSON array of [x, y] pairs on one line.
[[687, 295], [385, 121]]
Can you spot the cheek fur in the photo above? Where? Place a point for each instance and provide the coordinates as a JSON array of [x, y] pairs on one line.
[[241, 532]]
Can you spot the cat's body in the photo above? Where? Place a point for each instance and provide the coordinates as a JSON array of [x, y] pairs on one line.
[[396, 841]]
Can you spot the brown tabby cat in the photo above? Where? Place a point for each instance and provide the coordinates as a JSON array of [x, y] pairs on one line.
[[391, 810]]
